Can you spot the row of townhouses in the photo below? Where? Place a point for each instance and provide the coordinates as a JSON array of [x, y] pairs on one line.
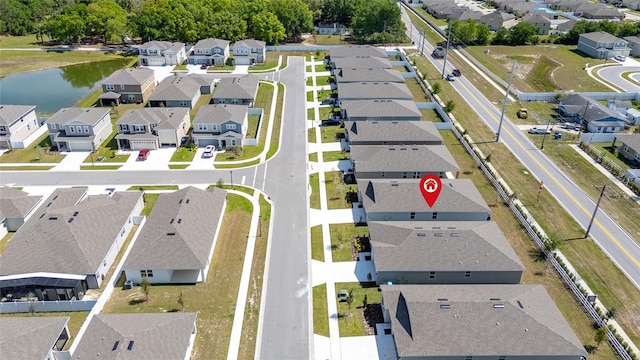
[[206, 51]]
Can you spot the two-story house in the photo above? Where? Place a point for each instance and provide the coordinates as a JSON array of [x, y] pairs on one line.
[[159, 53], [331, 29], [249, 52], [127, 86], [210, 52], [17, 124], [152, 128], [541, 23], [602, 45], [79, 129], [236, 90], [633, 42], [498, 19], [221, 125]]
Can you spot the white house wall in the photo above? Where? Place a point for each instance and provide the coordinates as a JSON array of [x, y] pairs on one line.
[[102, 131], [21, 130]]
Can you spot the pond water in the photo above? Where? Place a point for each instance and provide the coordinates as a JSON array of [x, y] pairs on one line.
[[56, 88]]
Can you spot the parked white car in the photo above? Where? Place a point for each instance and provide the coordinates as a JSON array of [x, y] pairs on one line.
[[208, 151]]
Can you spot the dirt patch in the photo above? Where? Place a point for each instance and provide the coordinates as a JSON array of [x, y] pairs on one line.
[[522, 69]]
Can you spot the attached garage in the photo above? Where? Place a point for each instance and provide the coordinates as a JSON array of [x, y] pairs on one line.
[[242, 60], [143, 144], [79, 146], [202, 142]]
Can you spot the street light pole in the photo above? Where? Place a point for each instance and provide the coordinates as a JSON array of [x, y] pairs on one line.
[[506, 98], [545, 134], [446, 52], [231, 171], [586, 235]]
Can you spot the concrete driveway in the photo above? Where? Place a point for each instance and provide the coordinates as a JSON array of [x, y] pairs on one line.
[[72, 161], [201, 163], [161, 72], [156, 160]]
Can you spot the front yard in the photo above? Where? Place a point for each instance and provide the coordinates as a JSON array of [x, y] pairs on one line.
[[34, 153], [342, 236], [359, 318]]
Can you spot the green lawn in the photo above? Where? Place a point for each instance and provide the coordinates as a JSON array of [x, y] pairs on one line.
[[149, 202], [183, 154], [325, 111], [277, 127], [25, 168], [336, 191], [314, 182], [351, 321], [330, 39], [238, 165], [321, 67], [328, 156], [430, 115], [418, 94], [19, 42], [310, 114], [612, 154], [106, 152], [311, 135], [322, 80], [317, 247], [341, 235], [320, 311], [178, 167], [153, 187], [313, 157], [34, 153], [332, 134], [100, 167], [15, 62], [309, 95], [252, 130]]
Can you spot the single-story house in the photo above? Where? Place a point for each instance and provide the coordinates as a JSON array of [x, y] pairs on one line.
[[152, 128], [380, 110], [221, 125], [602, 45], [15, 207], [79, 129], [360, 62], [402, 161], [33, 337], [603, 12], [356, 51], [401, 200], [331, 29], [236, 90], [128, 86], [62, 250], [391, 133], [249, 52], [161, 53], [347, 75], [590, 113], [633, 116], [620, 106], [633, 42], [209, 51], [181, 90], [177, 241], [17, 124], [478, 321], [138, 336], [630, 147], [374, 91], [460, 252]]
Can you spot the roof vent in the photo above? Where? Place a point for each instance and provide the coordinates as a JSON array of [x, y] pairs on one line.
[[494, 299], [450, 184], [520, 304], [421, 234], [171, 222], [70, 220], [171, 234], [394, 183], [498, 306], [443, 299], [180, 221], [455, 234], [451, 227], [115, 345], [130, 347], [180, 202], [439, 234], [75, 213], [187, 201], [49, 204], [435, 227], [53, 218], [445, 306], [418, 228]]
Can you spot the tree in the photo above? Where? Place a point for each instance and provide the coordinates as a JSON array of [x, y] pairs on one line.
[[107, 19], [350, 300], [611, 313], [224, 25], [378, 21], [365, 301], [294, 15], [436, 88], [449, 106], [501, 37], [67, 27], [483, 36], [267, 27], [145, 285], [181, 301], [601, 334], [523, 34], [340, 11]]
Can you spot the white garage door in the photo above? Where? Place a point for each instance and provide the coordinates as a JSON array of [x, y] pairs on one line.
[[205, 142], [241, 61], [155, 62], [139, 145], [80, 146]]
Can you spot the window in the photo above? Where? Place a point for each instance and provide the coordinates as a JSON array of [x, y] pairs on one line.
[[434, 216], [467, 274], [230, 126], [72, 129], [79, 129], [413, 215], [28, 127], [146, 273], [404, 175], [123, 127], [110, 87], [416, 174], [382, 174], [86, 129], [202, 127], [432, 275], [138, 128], [131, 96], [184, 103], [121, 87], [214, 127]]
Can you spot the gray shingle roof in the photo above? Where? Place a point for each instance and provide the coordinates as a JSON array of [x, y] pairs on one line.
[[220, 113], [89, 116], [394, 158], [11, 113], [29, 337], [524, 322], [356, 50], [163, 45], [403, 195], [368, 75], [165, 118], [600, 36], [180, 87], [589, 109], [180, 230], [380, 109], [210, 43], [250, 43], [237, 87], [631, 140], [366, 91], [137, 76], [441, 246], [16, 203], [361, 62], [152, 336], [49, 242], [408, 132]]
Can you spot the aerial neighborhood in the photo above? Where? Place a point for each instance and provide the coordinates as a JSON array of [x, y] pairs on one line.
[[413, 179]]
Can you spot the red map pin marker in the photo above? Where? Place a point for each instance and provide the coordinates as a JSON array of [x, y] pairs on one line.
[[430, 186]]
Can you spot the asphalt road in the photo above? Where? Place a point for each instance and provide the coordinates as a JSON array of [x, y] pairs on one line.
[[619, 245], [613, 74]]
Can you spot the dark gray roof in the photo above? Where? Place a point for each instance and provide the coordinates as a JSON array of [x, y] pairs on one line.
[[409, 132], [523, 322], [211, 43], [51, 242], [600, 36], [631, 140], [346, 75], [180, 230], [237, 87], [150, 336], [29, 337], [163, 45], [380, 109], [11, 113], [394, 158], [137, 76], [110, 95], [250, 43], [362, 62], [165, 118], [441, 246], [370, 91], [70, 115], [535, 19], [403, 195], [356, 50], [632, 39], [179, 87], [16, 203], [220, 113], [567, 25], [589, 109]]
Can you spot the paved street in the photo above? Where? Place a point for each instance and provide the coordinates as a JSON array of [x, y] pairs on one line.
[[613, 74]]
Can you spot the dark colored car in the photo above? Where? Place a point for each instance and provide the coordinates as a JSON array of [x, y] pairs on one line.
[[456, 72], [330, 122], [330, 101], [204, 66], [144, 153]]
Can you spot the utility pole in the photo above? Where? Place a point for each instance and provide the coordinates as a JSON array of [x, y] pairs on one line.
[[586, 235], [506, 98], [545, 134], [446, 51], [231, 171]]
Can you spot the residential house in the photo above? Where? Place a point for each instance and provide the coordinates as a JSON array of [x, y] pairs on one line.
[[210, 52], [360, 62], [596, 117], [620, 106], [466, 15], [478, 321], [633, 117], [566, 26], [401, 200], [601, 12], [498, 19], [17, 125], [41, 338], [221, 125], [630, 147], [79, 129], [391, 133], [346, 75], [160, 53], [443, 9], [152, 128], [68, 245], [240, 90], [181, 90], [541, 23], [633, 42], [602, 45], [176, 243], [631, 4], [356, 51], [128, 86], [374, 91], [138, 336], [459, 252], [15, 207], [249, 52], [380, 110], [402, 161], [564, 5], [521, 8], [331, 29]]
